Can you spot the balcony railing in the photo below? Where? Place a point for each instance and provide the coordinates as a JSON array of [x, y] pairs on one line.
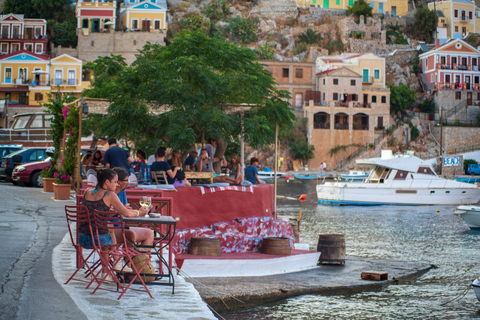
[[321, 125], [22, 37], [341, 126], [360, 126], [456, 86], [343, 104], [454, 66], [64, 82], [465, 19], [367, 79]]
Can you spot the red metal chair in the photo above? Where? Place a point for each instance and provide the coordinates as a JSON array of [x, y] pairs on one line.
[[112, 221], [76, 215]]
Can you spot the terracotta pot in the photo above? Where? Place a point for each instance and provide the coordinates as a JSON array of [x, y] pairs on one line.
[[48, 184], [61, 191]]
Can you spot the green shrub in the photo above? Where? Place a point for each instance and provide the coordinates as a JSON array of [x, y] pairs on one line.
[[301, 47], [242, 30], [414, 133], [217, 10], [468, 162], [415, 64], [197, 22], [427, 106], [265, 52]]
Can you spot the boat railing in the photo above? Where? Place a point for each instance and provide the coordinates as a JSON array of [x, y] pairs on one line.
[[37, 134], [468, 201]]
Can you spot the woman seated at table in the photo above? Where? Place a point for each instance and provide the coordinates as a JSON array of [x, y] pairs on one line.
[[97, 158], [234, 166], [143, 236], [86, 162], [102, 198]]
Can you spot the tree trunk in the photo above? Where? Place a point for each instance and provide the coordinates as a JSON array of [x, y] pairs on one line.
[[219, 152]]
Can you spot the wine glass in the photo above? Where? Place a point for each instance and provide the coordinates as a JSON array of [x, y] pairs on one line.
[[148, 202], [144, 201]]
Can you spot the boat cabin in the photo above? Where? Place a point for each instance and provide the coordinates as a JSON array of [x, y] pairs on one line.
[[27, 127]]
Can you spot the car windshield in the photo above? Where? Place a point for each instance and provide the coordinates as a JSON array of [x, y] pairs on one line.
[[15, 153]]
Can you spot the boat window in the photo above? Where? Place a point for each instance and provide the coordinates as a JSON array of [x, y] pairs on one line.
[[425, 170], [401, 175], [464, 191], [447, 191], [47, 121], [37, 122], [21, 122], [432, 191]]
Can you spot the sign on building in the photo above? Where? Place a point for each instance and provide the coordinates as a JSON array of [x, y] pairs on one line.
[[452, 162]]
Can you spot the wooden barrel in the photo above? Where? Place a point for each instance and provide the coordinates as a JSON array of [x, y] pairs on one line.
[[296, 233], [332, 248], [276, 245], [204, 247]]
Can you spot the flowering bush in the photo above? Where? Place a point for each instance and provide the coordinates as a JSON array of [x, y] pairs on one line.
[[62, 177], [49, 172]]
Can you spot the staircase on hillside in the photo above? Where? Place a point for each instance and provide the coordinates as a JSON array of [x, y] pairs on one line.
[[456, 111], [424, 82]]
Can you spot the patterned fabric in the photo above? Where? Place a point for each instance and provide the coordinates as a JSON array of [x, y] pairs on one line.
[[206, 190], [239, 235]]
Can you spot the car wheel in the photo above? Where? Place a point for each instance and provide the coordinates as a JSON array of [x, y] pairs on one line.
[[473, 173], [37, 181]]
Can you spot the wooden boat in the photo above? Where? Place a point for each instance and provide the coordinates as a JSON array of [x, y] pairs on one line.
[[309, 176], [355, 175]]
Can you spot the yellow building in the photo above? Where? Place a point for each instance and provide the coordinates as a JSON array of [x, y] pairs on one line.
[[391, 7], [26, 77], [368, 65], [144, 15], [455, 17], [95, 15]]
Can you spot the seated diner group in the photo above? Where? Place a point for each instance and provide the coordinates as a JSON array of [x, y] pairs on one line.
[[104, 198]]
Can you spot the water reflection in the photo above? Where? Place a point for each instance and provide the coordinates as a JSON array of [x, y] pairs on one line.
[[403, 233]]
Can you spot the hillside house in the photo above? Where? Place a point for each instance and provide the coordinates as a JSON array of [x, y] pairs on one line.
[[298, 78], [456, 18], [350, 107], [145, 15], [18, 33], [388, 7], [27, 77], [452, 74]]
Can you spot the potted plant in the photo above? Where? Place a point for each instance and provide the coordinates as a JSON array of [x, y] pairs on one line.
[[48, 176], [62, 185]]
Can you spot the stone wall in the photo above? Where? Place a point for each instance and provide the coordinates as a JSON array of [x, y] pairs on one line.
[[278, 10], [95, 45], [401, 57], [401, 21], [457, 139], [58, 51]]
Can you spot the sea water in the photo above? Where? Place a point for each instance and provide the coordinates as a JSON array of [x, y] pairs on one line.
[[426, 234]]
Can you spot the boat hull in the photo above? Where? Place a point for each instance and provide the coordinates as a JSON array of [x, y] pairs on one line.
[[308, 176], [476, 288], [369, 194], [469, 214]]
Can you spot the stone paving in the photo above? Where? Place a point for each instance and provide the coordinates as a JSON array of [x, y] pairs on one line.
[[186, 303]]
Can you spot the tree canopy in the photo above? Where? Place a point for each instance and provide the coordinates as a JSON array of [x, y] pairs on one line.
[[401, 97], [192, 82], [360, 8], [425, 24]]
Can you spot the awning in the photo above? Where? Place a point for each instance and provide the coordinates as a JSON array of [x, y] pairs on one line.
[[13, 89]]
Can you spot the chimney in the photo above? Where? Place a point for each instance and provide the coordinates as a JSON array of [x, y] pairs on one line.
[[437, 43]]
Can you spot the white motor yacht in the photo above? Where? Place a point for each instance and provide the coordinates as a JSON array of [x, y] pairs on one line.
[[397, 180]]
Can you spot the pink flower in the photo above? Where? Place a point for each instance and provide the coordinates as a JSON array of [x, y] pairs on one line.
[[55, 174], [63, 160], [70, 131]]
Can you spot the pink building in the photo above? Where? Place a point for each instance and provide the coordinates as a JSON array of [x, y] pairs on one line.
[[18, 34], [452, 66]]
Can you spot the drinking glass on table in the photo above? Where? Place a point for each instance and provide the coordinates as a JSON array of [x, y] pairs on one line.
[[145, 201]]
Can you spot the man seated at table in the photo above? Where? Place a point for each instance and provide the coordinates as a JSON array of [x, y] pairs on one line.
[[189, 163], [251, 171], [205, 164], [161, 165]]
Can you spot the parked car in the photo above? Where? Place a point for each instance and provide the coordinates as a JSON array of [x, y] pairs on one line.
[[19, 157], [29, 173], [6, 149], [473, 169]]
